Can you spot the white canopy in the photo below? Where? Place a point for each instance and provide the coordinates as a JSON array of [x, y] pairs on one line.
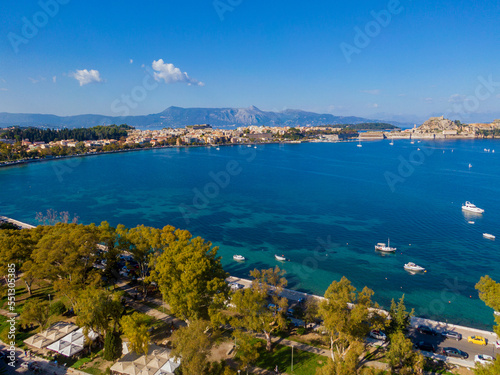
[[70, 350]]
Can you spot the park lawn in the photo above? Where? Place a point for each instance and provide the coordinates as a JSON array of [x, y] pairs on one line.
[[304, 363]]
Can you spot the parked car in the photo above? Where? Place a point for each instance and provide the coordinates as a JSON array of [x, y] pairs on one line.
[[377, 334], [426, 346], [477, 340], [452, 335], [454, 352], [427, 330], [483, 359]]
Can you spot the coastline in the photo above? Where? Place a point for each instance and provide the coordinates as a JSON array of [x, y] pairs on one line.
[[408, 136], [296, 295]]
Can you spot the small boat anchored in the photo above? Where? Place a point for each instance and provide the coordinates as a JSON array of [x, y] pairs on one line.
[[239, 258], [281, 258], [468, 206], [471, 222], [412, 267], [382, 247], [489, 236]]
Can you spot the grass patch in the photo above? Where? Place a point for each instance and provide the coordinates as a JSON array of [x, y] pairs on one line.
[[304, 363]]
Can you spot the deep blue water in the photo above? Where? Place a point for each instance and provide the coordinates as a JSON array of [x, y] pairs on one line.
[[322, 205]]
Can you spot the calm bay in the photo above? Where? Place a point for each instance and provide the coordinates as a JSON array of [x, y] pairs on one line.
[[322, 205]]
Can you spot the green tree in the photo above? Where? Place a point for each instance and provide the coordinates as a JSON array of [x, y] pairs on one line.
[[36, 312], [347, 365], [141, 242], [400, 318], [401, 357], [311, 310], [98, 310], [191, 278], [252, 309], [66, 255], [247, 348], [193, 345], [347, 316], [112, 346], [489, 292], [491, 369], [135, 327]]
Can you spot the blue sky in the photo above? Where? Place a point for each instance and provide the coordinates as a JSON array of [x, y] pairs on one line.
[[88, 57]]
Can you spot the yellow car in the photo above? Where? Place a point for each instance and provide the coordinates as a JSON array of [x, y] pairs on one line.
[[477, 340]]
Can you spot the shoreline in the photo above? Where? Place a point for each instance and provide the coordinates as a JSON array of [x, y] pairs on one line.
[[431, 137], [296, 295]]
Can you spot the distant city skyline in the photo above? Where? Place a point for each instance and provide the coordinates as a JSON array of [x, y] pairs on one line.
[[391, 60]]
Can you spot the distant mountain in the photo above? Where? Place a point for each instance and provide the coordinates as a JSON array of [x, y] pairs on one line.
[[180, 117]]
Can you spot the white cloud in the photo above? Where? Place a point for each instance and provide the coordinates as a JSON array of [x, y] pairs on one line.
[[170, 74], [36, 80], [371, 92], [373, 105], [3, 89], [54, 79], [428, 100], [456, 98], [131, 61], [85, 76]]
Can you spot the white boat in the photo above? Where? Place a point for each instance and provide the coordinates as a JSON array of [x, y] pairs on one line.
[[359, 144], [412, 142], [489, 236], [239, 258], [468, 206], [410, 266], [471, 222], [470, 165], [217, 148], [382, 247], [280, 258]]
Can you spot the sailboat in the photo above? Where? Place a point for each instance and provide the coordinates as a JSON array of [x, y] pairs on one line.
[[392, 141], [382, 247], [359, 140]]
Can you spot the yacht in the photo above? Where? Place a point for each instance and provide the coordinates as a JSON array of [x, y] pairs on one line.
[[468, 206], [489, 236], [239, 258], [280, 258], [471, 222], [381, 247], [410, 266], [359, 144]]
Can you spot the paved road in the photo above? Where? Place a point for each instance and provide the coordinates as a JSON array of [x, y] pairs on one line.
[[442, 342]]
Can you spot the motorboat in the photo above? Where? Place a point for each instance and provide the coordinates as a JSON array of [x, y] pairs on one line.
[[410, 266], [468, 206], [382, 247], [281, 258], [488, 236], [239, 258], [471, 222]]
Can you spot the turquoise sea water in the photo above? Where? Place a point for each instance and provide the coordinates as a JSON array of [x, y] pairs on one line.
[[322, 205]]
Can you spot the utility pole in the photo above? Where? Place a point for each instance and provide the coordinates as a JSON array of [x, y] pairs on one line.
[[292, 359]]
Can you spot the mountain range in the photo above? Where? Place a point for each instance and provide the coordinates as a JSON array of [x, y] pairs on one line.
[[179, 117]]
